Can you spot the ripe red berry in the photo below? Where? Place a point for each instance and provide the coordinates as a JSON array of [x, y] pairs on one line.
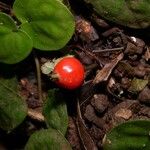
[[70, 73]]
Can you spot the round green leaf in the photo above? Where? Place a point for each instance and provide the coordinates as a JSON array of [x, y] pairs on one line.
[[131, 13], [49, 23], [13, 109], [55, 111], [132, 135], [15, 43], [49, 139], [7, 22]]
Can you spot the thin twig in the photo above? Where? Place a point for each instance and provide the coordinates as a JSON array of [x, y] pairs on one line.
[[38, 70], [108, 50], [91, 54], [4, 6], [87, 97]]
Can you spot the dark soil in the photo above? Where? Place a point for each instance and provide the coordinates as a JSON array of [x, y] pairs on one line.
[[107, 97], [116, 87]]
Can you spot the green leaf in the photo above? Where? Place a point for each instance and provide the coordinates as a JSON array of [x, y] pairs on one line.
[[137, 85], [13, 109], [49, 139], [15, 44], [7, 22], [131, 13], [132, 135], [55, 111], [49, 23]]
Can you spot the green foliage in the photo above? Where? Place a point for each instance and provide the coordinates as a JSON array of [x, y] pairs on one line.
[[48, 22], [132, 135], [131, 13], [49, 139], [15, 43], [55, 111], [13, 109], [45, 25]]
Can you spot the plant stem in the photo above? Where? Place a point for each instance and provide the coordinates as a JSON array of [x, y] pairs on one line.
[[38, 70]]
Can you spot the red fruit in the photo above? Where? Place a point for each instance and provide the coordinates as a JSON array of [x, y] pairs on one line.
[[70, 73]]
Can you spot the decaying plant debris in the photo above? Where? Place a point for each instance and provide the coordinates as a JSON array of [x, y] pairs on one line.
[[117, 83], [116, 87]]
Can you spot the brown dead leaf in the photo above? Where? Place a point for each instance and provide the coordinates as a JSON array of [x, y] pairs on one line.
[[86, 139], [104, 73], [147, 54], [124, 113]]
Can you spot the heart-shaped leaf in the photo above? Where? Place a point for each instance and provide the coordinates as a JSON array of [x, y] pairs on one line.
[[132, 135], [55, 111], [131, 13], [15, 44], [49, 139], [49, 23], [13, 109]]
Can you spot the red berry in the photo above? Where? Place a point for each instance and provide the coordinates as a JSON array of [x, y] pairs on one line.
[[70, 73]]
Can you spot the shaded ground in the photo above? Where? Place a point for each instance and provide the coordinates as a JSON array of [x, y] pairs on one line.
[[116, 87]]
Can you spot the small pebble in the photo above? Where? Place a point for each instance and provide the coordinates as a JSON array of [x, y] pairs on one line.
[[100, 102], [144, 96]]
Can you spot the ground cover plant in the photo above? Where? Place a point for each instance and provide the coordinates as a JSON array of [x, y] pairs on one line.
[[74, 75]]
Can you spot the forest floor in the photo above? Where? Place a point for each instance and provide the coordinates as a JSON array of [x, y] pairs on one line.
[[116, 87]]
